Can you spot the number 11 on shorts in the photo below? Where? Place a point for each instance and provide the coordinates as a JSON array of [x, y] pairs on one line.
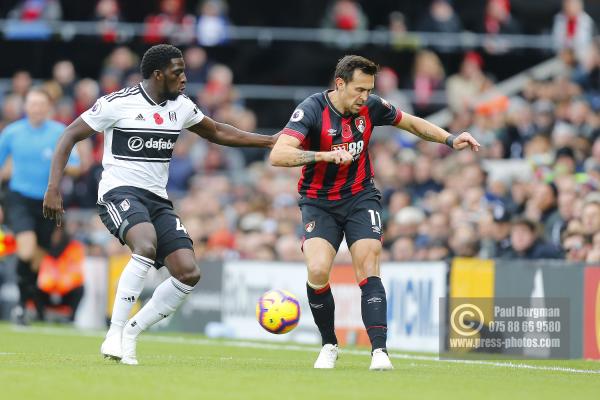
[[374, 222]]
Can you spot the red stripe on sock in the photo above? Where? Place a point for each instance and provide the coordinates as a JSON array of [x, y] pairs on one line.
[[322, 290], [376, 326], [363, 282]]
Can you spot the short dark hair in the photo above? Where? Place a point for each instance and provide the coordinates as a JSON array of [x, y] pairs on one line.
[[158, 57], [530, 224], [347, 64]]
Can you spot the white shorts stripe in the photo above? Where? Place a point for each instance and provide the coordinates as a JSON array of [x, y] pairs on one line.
[[110, 213], [116, 211]]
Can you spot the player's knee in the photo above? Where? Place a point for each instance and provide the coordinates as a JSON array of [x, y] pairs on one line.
[[145, 248], [318, 274], [190, 274]]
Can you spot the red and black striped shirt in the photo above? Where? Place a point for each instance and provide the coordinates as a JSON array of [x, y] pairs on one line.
[[321, 127]]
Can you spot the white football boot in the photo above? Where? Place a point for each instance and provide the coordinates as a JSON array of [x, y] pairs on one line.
[[129, 356], [111, 347], [327, 357], [380, 361]]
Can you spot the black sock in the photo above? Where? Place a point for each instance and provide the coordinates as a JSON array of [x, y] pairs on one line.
[[322, 307], [374, 311], [25, 281]]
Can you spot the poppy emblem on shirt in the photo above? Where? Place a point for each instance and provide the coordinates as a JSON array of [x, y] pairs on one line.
[[360, 123], [158, 119], [346, 131]]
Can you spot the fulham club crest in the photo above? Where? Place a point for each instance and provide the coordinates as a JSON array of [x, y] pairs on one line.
[[360, 124], [173, 116], [310, 226]]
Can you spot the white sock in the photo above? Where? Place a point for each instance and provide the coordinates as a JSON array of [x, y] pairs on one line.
[[167, 297], [130, 286]]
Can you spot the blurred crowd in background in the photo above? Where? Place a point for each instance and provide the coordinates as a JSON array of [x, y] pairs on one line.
[[533, 191]]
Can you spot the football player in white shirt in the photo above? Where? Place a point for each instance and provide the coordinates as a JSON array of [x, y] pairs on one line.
[[141, 125]]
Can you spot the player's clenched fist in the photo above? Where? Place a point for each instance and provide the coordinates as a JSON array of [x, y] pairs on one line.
[[339, 156]]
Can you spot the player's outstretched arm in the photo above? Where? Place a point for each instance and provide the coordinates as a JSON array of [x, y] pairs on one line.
[[287, 153], [76, 132], [231, 136], [433, 133]]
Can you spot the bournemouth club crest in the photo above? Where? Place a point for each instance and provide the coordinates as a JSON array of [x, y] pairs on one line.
[[360, 124], [310, 226]]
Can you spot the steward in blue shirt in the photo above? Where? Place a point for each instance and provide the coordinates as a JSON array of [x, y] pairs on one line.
[[30, 142]]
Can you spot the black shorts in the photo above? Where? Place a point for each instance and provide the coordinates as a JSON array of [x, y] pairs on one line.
[[26, 214], [124, 207], [358, 217]]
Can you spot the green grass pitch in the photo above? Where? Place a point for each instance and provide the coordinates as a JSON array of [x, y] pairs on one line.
[[60, 363]]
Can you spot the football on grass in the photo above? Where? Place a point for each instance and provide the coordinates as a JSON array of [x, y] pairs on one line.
[[278, 311]]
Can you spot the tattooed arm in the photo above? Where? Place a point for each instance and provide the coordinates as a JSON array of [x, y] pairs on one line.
[[433, 133], [287, 153]]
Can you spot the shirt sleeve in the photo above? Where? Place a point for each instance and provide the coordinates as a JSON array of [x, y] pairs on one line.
[[301, 120], [101, 116], [5, 144], [382, 112], [194, 115]]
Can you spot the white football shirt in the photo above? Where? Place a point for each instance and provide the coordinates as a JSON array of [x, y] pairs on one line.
[[139, 136]]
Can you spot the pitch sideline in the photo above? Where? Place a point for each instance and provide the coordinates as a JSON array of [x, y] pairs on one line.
[[291, 347]]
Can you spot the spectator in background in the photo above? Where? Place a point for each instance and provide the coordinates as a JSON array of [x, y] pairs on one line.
[[576, 246], [441, 18], [464, 241], [386, 86], [29, 19], [587, 75], [519, 128], [181, 168], [63, 73], [594, 253], [348, 20], [87, 92], [424, 181], [498, 21], [542, 207], [288, 249], [428, 77], [12, 110], [501, 228], [21, 83], [573, 28], [526, 244], [212, 23], [108, 16], [463, 88], [197, 64], [590, 216], [399, 37], [121, 62], [171, 24], [218, 90], [543, 116], [403, 249], [60, 277]]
